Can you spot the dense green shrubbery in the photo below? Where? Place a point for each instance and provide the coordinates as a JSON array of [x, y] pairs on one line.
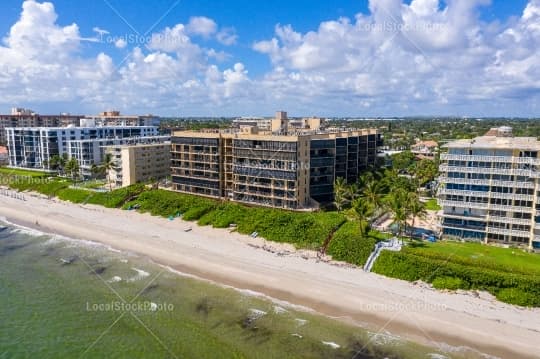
[[224, 215], [305, 230], [451, 283], [113, 199], [407, 266], [349, 246], [517, 296], [166, 203]]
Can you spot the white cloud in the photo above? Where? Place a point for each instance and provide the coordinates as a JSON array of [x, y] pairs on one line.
[[201, 25], [227, 36], [423, 57], [120, 43]]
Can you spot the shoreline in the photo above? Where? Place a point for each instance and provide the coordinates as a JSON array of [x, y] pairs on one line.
[[339, 292]]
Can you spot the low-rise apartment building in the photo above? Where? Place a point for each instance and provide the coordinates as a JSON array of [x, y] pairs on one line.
[[33, 147], [287, 167], [140, 162], [490, 189], [425, 149]]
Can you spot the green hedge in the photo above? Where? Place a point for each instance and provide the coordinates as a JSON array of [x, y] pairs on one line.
[[512, 288], [349, 246], [305, 230], [113, 199]]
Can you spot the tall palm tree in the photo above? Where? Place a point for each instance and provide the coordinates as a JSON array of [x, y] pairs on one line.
[[340, 193], [72, 168], [416, 208], [361, 211], [373, 192], [396, 203], [352, 191], [106, 166]]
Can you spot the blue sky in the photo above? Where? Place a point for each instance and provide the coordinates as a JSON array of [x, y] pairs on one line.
[[340, 58]]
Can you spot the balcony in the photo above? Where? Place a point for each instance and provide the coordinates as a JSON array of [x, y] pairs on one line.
[[485, 206], [512, 196], [510, 220], [486, 182], [489, 170], [508, 232], [496, 159], [462, 215]]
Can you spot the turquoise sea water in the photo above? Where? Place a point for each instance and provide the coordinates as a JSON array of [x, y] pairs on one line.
[[63, 298]]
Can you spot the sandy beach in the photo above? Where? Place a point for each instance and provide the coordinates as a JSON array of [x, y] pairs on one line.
[[413, 311]]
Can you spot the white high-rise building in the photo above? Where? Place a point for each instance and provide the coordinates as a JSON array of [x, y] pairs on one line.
[[490, 189], [33, 147]]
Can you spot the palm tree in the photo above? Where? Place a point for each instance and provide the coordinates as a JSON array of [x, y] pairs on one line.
[[352, 191], [106, 166], [72, 168], [340, 193], [416, 208], [361, 211], [373, 192], [396, 203]]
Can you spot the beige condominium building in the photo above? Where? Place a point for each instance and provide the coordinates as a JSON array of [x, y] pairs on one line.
[[490, 189], [140, 162], [293, 165]]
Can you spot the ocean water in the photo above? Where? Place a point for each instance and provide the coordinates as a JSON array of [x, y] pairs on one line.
[[64, 298]]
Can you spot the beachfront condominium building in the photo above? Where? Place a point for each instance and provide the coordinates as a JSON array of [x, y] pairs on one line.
[[490, 189], [33, 147], [140, 162], [292, 165], [27, 118]]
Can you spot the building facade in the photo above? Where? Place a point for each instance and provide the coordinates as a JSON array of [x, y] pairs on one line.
[[284, 169], [26, 118], [490, 189], [32, 147], [140, 162], [4, 158], [425, 149], [115, 118]]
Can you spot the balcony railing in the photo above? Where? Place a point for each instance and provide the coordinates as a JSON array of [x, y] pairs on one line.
[[510, 220], [508, 232], [512, 196], [476, 205], [489, 170], [486, 182], [497, 159]]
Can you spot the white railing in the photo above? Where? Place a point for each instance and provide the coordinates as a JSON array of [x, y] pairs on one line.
[[512, 196], [497, 219], [488, 170], [486, 182], [510, 220], [460, 215], [508, 232], [498, 159], [477, 205]]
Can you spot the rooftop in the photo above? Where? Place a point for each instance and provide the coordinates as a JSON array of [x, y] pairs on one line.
[[500, 138], [76, 128]]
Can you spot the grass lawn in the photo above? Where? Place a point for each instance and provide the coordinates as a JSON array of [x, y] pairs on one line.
[[4, 171], [432, 205], [476, 254]]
